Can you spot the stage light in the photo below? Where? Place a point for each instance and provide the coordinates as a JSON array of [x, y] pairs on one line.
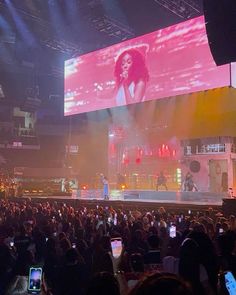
[[125, 161], [57, 19], [179, 176], [8, 35], [138, 161], [24, 31]]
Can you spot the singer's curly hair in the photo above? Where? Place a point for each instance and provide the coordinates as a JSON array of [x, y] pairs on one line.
[[138, 70]]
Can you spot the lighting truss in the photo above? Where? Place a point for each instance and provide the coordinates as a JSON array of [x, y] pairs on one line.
[[112, 27], [183, 8], [61, 45]]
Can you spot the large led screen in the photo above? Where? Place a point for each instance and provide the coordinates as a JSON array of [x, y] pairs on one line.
[[171, 61], [233, 74]]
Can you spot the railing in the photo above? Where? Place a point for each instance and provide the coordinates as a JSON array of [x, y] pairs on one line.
[[206, 149]]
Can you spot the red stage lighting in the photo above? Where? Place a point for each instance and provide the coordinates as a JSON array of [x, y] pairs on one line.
[[138, 161]]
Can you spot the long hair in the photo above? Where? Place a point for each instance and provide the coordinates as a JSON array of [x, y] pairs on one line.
[[138, 70]]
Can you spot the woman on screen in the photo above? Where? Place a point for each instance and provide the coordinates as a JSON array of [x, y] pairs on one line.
[[131, 77]]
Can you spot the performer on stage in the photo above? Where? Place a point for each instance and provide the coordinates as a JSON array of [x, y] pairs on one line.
[[105, 187], [188, 184], [161, 181]]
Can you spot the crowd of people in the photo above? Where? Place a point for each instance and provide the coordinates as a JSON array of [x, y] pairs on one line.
[[72, 245], [8, 186]]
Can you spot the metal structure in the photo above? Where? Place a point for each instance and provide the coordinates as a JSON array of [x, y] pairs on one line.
[[183, 8]]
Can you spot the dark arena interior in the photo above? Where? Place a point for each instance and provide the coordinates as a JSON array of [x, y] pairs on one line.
[[117, 147]]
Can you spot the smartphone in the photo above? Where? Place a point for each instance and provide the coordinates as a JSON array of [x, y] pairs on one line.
[[230, 282], [116, 246], [221, 231], [180, 219], [172, 231], [35, 280], [152, 223], [189, 212], [11, 244], [74, 245]]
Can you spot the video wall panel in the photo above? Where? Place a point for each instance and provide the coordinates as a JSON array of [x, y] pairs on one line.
[[168, 62]]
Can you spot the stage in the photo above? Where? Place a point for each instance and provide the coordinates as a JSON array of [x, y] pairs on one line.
[[145, 199], [194, 198], [142, 196]]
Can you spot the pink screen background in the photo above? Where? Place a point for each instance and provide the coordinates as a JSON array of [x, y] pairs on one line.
[[178, 59]]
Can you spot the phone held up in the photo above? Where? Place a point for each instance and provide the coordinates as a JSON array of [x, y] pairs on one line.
[[172, 231], [116, 246], [228, 283], [35, 280]]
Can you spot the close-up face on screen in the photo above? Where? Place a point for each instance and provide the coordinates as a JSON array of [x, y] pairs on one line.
[[168, 62]]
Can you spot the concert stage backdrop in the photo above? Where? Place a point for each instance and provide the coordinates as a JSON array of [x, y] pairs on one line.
[[171, 61]]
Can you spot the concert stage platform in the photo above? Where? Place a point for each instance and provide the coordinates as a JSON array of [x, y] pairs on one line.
[[143, 196], [195, 198], [137, 199]]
